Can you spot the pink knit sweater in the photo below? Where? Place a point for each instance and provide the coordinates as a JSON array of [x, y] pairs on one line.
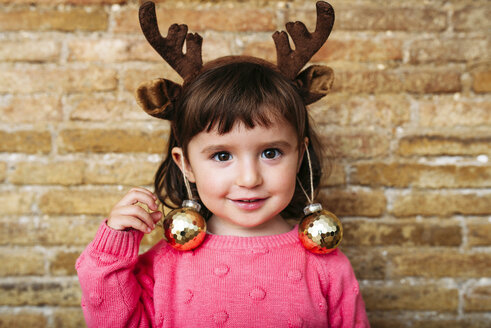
[[229, 281]]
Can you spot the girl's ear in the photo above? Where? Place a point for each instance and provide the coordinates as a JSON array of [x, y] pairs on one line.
[[180, 160], [301, 152]]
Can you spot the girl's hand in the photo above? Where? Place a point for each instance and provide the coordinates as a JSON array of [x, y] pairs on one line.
[[127, 214]]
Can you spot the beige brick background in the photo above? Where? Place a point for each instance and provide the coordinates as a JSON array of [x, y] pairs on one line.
[[408, 122]]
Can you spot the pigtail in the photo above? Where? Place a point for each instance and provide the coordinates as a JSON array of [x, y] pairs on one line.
[[169, 183], [295, 208], [166, 183]]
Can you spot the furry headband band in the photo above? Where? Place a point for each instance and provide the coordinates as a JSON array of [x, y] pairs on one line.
[[157, 97]]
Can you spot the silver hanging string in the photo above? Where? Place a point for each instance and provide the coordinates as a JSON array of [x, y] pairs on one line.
[[310, 199]]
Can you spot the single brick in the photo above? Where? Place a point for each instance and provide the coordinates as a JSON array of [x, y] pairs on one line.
[[354, 203], [126, 21], [31, 109], [73, 19], [481, 82], [69, 318], [478, 299], [3, 171], [432, 81], [261, 49], [225, 19], [365, 111], [40, 293], [218, 19], [391, 81], [386, 319], [367, 81], [62, 263], [449, 50], [455, 322], [382, 18], [333, 174], [431, 203], [362, 144], [29, 51], [102, 108], [472, 18], [55, 80], [112, 50], [127, 173], [111, 140], [479, 233], [219, 45], [421, 175], [69, 231], [21, 262], [105, 50], [440, 263], [48, 230], [61, 173], [405, 297], [440, 144], [78, 201], [448, 112], [16, 202], [373, 233], [360, 50], [367, 264], [31, 142], [23, 318]]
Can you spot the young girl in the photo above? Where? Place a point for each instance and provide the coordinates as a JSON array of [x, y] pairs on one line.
[[239, 132]]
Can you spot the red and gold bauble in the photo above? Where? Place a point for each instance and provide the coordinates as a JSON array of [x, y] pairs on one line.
[[185, 228], [320, 231]]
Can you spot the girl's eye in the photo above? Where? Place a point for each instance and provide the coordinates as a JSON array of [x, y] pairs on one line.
[[271, 153], [222, 156]]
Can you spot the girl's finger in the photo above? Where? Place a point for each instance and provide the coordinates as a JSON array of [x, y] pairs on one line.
[[135, 195], [135, 211], [146, 191], [156, 216], [123, 222]]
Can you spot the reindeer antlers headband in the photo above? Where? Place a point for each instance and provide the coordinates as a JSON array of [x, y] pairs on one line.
[[313, 83]]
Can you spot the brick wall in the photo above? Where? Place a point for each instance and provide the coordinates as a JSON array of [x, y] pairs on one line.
[[408, 124]]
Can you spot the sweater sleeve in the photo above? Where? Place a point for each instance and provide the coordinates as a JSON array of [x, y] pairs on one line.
[[116, 291], [345, 303]]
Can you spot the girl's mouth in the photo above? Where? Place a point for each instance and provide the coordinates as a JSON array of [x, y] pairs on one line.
[[249, 204]]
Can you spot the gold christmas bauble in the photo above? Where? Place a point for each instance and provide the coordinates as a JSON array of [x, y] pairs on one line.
[[185, 228], [320, 231]]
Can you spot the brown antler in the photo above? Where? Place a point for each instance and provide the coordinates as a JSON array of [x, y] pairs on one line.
[[289, 61], [170, 47]]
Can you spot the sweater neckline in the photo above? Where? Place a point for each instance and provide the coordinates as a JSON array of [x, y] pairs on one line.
[[261, 242]]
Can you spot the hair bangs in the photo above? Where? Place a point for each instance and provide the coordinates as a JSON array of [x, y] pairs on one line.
[[244, 93]]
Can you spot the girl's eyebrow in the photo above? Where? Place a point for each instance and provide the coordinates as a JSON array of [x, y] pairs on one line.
[[277, 144], [213, 149], [273, 144]]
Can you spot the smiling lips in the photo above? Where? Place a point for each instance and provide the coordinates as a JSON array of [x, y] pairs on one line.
[[249, 204]]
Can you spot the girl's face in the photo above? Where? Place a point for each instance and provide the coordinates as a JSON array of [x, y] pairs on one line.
[[245, 177]]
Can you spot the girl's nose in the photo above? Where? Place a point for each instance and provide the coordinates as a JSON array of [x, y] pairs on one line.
[[249, 175]]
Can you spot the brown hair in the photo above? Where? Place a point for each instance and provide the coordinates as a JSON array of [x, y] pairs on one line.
[[245, 92]]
